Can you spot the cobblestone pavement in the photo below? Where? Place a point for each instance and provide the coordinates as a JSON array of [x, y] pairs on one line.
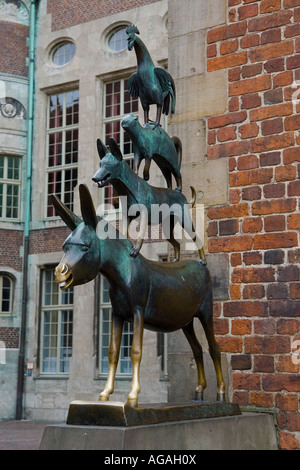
[[21, 435]]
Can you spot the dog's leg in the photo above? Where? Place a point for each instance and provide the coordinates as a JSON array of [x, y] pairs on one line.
[[143, 227]]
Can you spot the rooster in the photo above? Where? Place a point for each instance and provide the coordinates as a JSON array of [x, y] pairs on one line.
[[153, 85]]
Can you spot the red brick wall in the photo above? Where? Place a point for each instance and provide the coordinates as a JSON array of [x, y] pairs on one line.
[[10, 255], [71, 12], [259, 228], [10, 336], [47, 240], [14, 50]]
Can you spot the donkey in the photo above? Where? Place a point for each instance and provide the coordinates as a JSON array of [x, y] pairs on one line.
[[154, 295], [113, 169]]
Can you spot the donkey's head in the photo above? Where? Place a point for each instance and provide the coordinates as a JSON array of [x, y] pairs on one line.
[[81, 260], [110, 163]]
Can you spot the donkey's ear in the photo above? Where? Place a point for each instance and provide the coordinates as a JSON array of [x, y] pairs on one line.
[[87, 207], [114, 148], [102, 149], [70, 219]]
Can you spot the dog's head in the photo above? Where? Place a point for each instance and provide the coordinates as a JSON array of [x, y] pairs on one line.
[[110, 161]]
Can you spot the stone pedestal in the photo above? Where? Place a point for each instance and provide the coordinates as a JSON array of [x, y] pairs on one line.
[[192, 426]]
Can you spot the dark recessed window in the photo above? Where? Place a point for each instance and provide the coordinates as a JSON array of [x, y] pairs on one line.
[[63, 54], [118, 40]]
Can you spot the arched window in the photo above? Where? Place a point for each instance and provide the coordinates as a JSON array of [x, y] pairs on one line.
[[63, 53], [117, 41], [6, 293]]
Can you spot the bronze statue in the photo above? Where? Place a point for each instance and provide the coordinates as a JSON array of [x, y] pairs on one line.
[[164, 150], [158, 296], [174, 207], [153, 85]]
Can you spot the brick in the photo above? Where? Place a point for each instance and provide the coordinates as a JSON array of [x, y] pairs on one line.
[[272, 126], [221, 326], [294, 188], [212, 229], [246, 381], [228, 149], [211, 50], [241, 327], [247, 131], [285, 173], [230, 344], [283, 79], [277, 291], [284, 364], [226, 133], [265, 400], [271, 36], [291, 3], [274, 223], [251, 70], [230, 244], [253, 275], [236, 259], [274, 65], [293, 62], [274, 97], [275, 240], [267, 6], [270, 21], [235, 291], [234, 74], [288, 326], [286, 402], [228, 47], [226, 61], [254, 257], [228, 227], [247, 162], [267, 345], [292, 123], [263, 364], [250, 85], [294, 256], [271, 51], [274, 257], [247, 11], [241, 362], [292, 30], [234, 196], [268, 159], [225, 212], [251, 193], [278, 382], [226, 119], [295, 290], [248, 177], [287, 441], [291, 155], [250, 40], [288, 273], [254, 291], [233, 104], [273, 142], [252, 225], [226, 32], [276, 190], [252, 100], [286, 308], [284, 109], [293, 221]]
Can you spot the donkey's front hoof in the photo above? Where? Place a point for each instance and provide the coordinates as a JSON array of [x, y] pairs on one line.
[[221, 397], [132, 402]]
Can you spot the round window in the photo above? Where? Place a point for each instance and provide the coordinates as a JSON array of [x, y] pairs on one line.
[[63, 53], [117, 41]]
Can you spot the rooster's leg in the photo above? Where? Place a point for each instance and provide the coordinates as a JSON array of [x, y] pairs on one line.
[[158, 116]]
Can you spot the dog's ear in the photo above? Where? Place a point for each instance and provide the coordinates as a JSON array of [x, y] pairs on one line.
[[114, 148], [102, 150]]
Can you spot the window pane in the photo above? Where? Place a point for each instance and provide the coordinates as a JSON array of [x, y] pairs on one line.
[[118, 40], [6, 294], [1, 167], [56, 111], [105, 337], [55, 149], [63, 54]]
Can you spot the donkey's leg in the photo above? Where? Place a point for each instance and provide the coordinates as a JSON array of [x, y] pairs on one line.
[[113, 357], [168, 231], [188, 225], [206, 318], [190, 335], [136, 356]]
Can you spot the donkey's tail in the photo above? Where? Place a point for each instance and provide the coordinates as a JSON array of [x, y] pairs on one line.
[[194, 196]]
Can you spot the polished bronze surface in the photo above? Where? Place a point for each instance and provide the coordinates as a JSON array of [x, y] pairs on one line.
[[120, 414]]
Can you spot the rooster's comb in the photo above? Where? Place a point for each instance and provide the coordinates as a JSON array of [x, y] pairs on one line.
[[132, 29]]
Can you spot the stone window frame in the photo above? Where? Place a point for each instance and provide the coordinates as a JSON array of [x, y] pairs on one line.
[[5, 182], [55, 306]]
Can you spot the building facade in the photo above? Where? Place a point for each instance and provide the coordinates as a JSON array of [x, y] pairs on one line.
[[235, 64]]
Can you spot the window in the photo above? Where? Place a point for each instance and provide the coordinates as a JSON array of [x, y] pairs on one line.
[[118, 40], [6, 292], [10, 184], [62, 143], [56, 326], [63, 53], [117, 103], [124, 365]]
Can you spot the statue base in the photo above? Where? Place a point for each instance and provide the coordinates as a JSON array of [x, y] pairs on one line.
[[99, 413], [189, 426]]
